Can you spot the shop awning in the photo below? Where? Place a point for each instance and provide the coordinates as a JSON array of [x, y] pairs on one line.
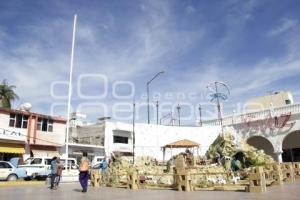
[[12, 148], [44, 153]]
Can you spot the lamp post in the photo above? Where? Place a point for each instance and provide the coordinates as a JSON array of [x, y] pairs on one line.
[[178, 110], [157, 107], [148, 83], [200, 115], [133, 133]]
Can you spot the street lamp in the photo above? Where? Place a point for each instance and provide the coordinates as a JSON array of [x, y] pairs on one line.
[[133, 133], [157, 107], [200, 115], [178, 110], [148, 83]]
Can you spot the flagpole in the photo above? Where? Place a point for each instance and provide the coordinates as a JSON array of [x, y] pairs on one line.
[[70, 90]]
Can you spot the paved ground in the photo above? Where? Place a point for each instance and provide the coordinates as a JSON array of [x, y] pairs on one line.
[[73, 192]]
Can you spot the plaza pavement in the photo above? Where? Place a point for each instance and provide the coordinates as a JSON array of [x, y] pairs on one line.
[[71, 191]]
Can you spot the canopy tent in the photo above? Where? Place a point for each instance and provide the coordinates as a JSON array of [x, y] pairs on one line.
[[185, 143]]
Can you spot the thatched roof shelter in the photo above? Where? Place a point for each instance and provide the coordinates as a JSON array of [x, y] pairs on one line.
[[182, 144], [185, 143]]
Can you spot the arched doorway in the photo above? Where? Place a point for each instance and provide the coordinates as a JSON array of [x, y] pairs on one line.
[[291, 147], [260, 142]]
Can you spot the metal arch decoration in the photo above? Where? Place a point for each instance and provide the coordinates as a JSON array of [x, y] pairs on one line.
[[218, 91]]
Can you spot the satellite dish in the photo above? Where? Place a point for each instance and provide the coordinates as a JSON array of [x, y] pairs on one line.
[[25, 107]]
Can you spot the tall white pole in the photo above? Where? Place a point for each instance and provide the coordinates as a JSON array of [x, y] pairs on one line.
[[70, 91]]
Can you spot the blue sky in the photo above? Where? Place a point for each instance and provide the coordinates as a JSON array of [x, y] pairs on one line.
[[252, 45]]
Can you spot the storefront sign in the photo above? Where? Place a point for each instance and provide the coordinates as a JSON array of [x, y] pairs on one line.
[[11, 135]]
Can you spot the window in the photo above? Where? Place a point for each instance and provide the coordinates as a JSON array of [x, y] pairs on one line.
[[120, 139], [28, 161], [25, 121], [36, 161], [12, 120], [287, 101], [18, 120], [45, 125], [50, 126], [48, 161], [4, 165], [71, 163]]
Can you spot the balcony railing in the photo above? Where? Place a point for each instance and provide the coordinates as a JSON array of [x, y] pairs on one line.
[[259, 115]]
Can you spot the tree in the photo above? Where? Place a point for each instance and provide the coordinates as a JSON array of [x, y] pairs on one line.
[[7, 94]]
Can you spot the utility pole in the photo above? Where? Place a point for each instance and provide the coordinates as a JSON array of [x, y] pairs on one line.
[[172, 119], [157, 105], [148, 103], [178, 110], [200, 115], [133, 133]]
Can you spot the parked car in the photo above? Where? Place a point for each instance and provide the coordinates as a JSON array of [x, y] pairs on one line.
[[11, 173], [97, 159], [39, 167], [99, 167]]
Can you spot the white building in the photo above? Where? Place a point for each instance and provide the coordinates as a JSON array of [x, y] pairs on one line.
[[277, 99], [84, 137], [109, 138], [150, 138]]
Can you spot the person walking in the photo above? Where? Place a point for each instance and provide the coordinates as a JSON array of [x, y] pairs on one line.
[[103, 167], [84, 172], [53, 172], [59, 172]]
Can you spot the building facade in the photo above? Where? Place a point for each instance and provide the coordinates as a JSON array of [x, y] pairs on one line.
[[277, 99], [274, 130], [109, 139], [25, 134], [150, 138], [84, 137]]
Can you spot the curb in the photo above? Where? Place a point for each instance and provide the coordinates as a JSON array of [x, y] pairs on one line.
[[21, 183]]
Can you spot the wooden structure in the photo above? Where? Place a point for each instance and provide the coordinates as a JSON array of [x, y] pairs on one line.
[[257, 180], [96, 178], [186, 178], [182, 175], [132, 181], [273, 174], [297, 169], [185, 143], [288, 172]]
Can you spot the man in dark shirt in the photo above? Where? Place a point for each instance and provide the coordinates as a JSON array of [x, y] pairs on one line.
[[53, 171]]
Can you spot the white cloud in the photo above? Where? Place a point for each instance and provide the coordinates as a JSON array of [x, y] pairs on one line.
[[149, 40], [190, 10], [285, 25]]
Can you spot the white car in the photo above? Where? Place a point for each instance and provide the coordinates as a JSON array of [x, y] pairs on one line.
[[9, 172], [97, 159], [39, 167]]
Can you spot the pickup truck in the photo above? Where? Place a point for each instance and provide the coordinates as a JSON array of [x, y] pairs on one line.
[[39, 167]]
